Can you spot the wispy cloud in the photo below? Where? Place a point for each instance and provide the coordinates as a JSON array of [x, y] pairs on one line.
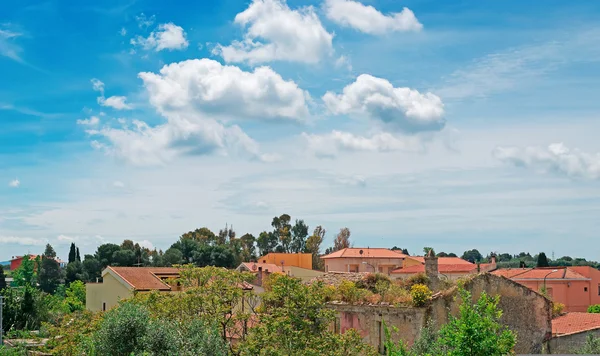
[[518, 67], [15, 183], [31, 112], [10, 49], [24, 241]]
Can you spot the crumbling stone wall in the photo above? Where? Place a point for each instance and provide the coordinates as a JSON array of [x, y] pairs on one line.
[[568, 344], [524, 311]]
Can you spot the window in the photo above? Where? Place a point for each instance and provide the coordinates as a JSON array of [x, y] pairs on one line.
[[585, 289], [352, 268], [103, 306]]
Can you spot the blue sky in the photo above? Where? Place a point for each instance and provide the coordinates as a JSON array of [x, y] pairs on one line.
[[456, 124]]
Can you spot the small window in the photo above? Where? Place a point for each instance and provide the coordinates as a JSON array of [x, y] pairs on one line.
[[103, 306], [585, 289]]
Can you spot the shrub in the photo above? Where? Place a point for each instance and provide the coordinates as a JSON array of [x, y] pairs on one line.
[[594, 308], [557, 309], [591, 346], [348, 292], [420, 294], [123, 330], [419, 278], [371, 280], [396, 294]]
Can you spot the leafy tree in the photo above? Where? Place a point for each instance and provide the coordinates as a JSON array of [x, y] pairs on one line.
[[72, 253], [472, 256], [50, 274], [477, 330], [452, 254], [426, 250], [127, 245], [266, 243], [313, 246], [25, 275], [123, 330], [342, 240], [173, 256], [104, 254], [299, 234], [75, 272], [282, 231], [294, 320], [202, 235], [78, 256], [218, 256], [23, 308], [248, 249], [2, 278], [187, 248], [91, 268], [123, 258], [542, 261], [75, 296]]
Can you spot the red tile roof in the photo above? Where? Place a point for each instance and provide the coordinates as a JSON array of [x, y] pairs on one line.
[[354, 252], [573, 323], [442, 268], [266, 267], [443, 260], [540, 273], [146, 278]]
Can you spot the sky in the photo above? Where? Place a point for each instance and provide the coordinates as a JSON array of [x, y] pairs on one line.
[[452, 124]]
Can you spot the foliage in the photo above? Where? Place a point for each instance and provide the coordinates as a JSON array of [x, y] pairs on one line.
[[477, 329], [542, 260], [472, 256], [2, 278], [72, 253], [420, 294], [419, 278], [122, 330], [349, 292], [75, 296], [298, 314], [557, 309], [426, 344], [75, 272], [49, 275], [72, 335], [25, 275], [591, 346], [594, 308], [24, 308], [371, 280], [342, 240]]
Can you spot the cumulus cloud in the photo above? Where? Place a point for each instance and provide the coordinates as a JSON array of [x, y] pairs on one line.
[[399, 109], [369, 20], [145, 243], [276, 32], [343, 61], [145, 21], [15, 183], [168, 36], [330, 145], [115, 102], [205, 86], [92, 121], [24, 241], [97, 85], [556, 158]]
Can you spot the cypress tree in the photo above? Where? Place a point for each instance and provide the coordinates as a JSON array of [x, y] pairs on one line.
[[78, 255], [542, 260], [72, 253]]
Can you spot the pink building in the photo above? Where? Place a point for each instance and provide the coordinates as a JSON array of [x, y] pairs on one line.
[[575, 287], [356, 259]]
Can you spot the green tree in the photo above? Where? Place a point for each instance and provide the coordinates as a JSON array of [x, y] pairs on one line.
[[202, 235], [472, 256], [266, 242], [72, 253], [2, 278], [477, 330], [542, 260], [91, 268], [313, 246], [25, 275], [123, 258], [294, 320], [49, 275], [104, 254], [78, 256], [127, 245], [75, 296], [75, 272], [218, 256], [24, 308], [282, 231], [299, 234], [342, 240], [173, 256], [123, 331], [248, 249]]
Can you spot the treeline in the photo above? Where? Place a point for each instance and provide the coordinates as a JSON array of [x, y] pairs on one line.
[[203, 247]]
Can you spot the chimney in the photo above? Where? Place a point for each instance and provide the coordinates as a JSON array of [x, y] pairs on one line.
[[431, 269], [260, 276], [493, 259]]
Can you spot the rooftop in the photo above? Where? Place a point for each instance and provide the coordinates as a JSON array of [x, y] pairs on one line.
[[358, 252], [146, 278], [266, 267], [573, 323], [443, 260], [442, 268], [550, 273]]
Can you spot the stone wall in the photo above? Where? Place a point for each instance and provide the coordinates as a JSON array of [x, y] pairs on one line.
[[524, 311], [568, 344]]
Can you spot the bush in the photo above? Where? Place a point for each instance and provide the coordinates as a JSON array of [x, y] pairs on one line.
[[594, 308], [591, 347], [419, 278], [348, 292], [371, 281], [420, 294], [557, 309], [396, 294], [122, 331]]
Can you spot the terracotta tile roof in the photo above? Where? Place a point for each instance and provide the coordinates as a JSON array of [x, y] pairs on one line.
[[443, 260], [354, 252], [587, 271], [539, 273], [146, 278], [266, 267], [572, 323], [442, 268]]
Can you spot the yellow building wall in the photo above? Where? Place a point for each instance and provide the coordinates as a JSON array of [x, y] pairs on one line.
[[110, 291], [302, 260], [410, 262], [302, 273]]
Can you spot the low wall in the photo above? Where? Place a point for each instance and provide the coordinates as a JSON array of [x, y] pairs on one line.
[[568, 344]]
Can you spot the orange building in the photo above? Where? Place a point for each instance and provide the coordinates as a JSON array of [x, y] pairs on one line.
[[17, 260], [355, 259], [575, 287], [302, 260]]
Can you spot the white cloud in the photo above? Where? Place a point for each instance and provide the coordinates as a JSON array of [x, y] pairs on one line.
[[123, 31], [92, 121], [556, 158], [115, 102], [144, 21], [145, 243], [401, 109], [15, 183], [330, 145], [276, 32], [168, 36], [206, 87], [343, 61], [24, 241], [118, 184], [65, 238], [368, 20], [358, 180], [97, 85], [7, 47]]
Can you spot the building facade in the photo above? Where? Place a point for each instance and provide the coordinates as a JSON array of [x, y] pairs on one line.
[[302, 260], [374, 260]]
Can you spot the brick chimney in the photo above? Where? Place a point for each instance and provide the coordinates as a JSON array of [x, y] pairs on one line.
[[259, 276], [431, 269]]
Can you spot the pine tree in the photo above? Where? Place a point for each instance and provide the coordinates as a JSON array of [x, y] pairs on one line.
[[542, 260], [72, 253], [50, 274], [2, 278], [78, 255]]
